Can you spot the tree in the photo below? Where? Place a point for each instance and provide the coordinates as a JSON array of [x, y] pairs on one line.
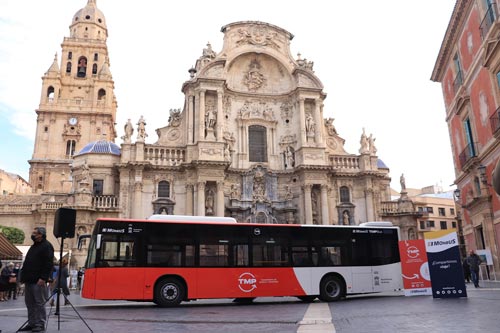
[[14, 235]]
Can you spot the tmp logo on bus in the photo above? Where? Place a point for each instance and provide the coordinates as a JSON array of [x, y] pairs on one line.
[[247, 282]]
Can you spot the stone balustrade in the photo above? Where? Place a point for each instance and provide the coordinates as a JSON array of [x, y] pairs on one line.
[[159, 155], [344, 162], [105, 201]]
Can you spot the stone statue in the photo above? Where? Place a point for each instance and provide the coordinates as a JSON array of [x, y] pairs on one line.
[[330, 128], [209, 202], [208, 52], [141, 129], [235, 192], [129, 130], [371, 142], [230, 140], [174, 119], [289, 158], [403, 182], [85, 172], [227, 153], [345, 218], [288, 193], [365, 145], [310, 125], [210, 119]]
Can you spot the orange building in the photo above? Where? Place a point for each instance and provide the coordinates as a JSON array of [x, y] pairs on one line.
[[468, 68]]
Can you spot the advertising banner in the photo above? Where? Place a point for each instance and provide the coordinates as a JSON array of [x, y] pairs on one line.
[[414, 267], [445, 265]]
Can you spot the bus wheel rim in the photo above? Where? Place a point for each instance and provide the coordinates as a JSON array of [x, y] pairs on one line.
[[332, 289], [170, 292]]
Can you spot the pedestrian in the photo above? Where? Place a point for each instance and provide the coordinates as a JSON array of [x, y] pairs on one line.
[[474, 261], [79, 278], [63, 285], [5, 274], [35, 274], [466, 269], [11, 279], [52, 282]]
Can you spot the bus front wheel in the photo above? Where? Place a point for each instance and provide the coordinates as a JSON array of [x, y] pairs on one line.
[[331, 289], [169, 292]]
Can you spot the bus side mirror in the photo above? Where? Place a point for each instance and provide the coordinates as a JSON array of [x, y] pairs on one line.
[[80, 240]]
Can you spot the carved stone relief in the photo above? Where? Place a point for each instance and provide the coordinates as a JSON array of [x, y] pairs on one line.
[[256, 110], [253, 79], [258, 36], [286, 111]]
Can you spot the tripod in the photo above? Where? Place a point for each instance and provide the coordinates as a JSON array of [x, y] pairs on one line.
[[57, 292]]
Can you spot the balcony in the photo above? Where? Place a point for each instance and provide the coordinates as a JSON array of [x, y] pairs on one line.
[[468, 154], [166, 156], [488, 20], [105, 201], [495, 124]]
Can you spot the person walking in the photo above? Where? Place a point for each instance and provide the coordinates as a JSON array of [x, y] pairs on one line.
[[474, 261], [35, 274], [466, 269], [63, 266]]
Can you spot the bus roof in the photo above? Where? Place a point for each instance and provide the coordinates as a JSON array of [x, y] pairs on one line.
[[186, 218]]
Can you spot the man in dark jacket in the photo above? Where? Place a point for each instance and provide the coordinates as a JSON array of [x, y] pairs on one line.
[[34, 274], [474, 261]]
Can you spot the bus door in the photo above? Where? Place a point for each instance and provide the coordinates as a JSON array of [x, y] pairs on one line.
[[362, 272], [118, 276]]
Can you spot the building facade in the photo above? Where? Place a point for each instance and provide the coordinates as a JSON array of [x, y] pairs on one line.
[[468, 68], [251, 142]]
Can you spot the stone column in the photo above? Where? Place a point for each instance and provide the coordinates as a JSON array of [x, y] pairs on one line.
[[189, 200], [370, 216], [308, 204], [138, 200], [220, 198], [201, 129], [201, 199], [189, 119], [302, 118], [325, 204], [220, 116]]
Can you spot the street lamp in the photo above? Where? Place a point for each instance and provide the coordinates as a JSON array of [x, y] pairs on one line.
[[456, 195]]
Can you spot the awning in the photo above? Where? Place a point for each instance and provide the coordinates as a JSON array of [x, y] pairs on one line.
[[9, 251], [24, 250]]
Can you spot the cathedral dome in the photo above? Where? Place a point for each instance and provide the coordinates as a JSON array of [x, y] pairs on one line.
[[101, 147], [90, 14]]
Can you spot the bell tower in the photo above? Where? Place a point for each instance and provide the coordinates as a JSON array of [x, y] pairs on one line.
[[77, 103]]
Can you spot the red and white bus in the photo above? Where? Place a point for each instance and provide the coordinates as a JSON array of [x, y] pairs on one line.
[[170, 259]]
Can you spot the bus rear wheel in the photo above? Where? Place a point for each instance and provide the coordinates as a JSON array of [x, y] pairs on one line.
[[169, 292], [331, 289]]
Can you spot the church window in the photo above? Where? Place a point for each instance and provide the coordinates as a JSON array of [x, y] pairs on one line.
[[101, 94], [70, 55], [257, 143], [344, 194], [68, 67], [87, 17], [50, 93], [82, 67], [94, 69], [97, 186], [46, 129], [99, 20], [96, 56], [163, 189], [70, 148]]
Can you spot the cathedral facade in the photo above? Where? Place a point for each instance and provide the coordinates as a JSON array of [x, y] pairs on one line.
[[251, 141]]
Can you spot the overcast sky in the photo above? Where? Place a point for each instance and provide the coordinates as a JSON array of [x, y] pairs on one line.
[[374, 58]]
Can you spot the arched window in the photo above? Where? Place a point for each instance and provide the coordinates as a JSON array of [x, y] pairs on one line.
[[50, 93], [94, 69], [82, 67], [68, 67], [101, 94], [257, 143], [163, 189], [70, 148], [344, 194]]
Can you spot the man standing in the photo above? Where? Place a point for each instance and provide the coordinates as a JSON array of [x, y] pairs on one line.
[[474, 261], [34, 274]]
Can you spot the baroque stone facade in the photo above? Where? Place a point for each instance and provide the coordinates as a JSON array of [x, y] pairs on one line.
[[252, 141]]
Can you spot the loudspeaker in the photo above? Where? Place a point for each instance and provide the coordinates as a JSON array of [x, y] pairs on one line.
[[64, 223]]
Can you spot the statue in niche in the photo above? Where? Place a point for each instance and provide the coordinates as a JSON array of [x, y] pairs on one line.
[[209, 202], [289, 157], [129, 130], [174, 119], [210, 118], [310, 125], [330, 128], [365, 145], [85, 172], [227, 152], [259, 188], [141, 129], [371, 142], [346, 218]]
